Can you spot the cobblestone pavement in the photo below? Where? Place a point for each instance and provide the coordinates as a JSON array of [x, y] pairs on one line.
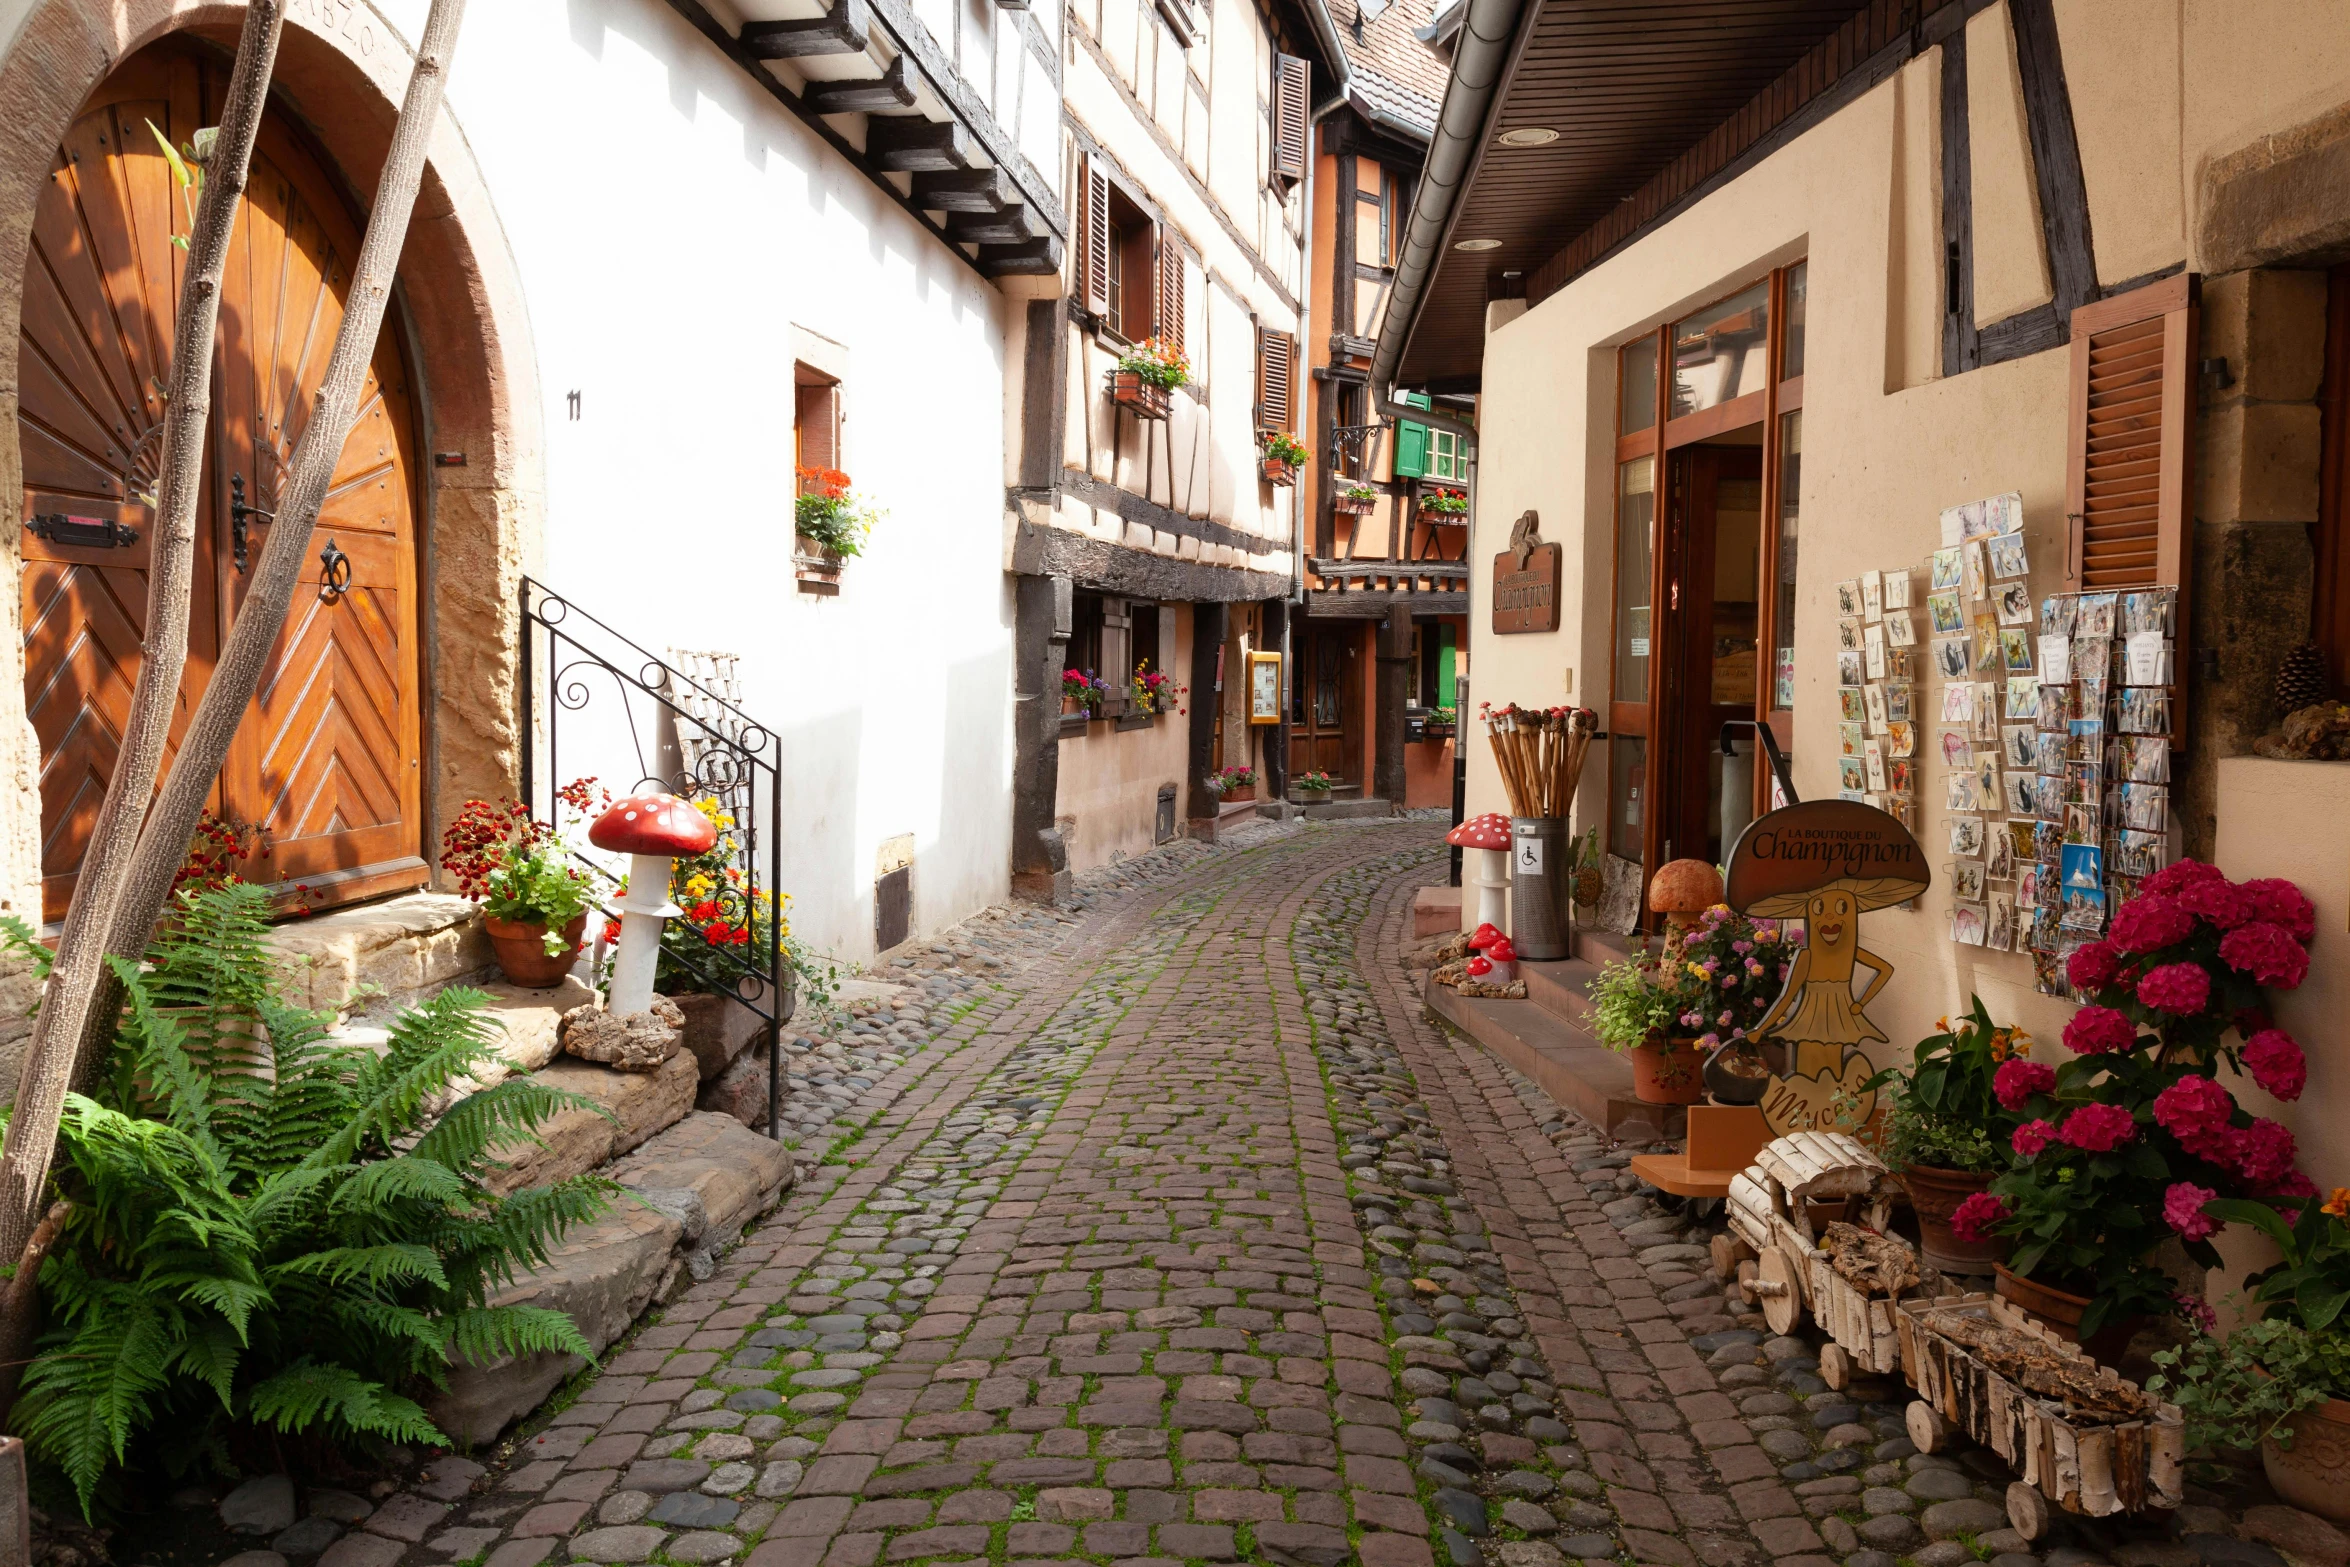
[[1190, 1241]]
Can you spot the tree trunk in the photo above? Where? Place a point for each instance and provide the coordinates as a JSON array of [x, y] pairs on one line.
[[284, 558], [73, 981]]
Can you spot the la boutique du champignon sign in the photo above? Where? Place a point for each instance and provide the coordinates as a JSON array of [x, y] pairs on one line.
[[1526, 581]]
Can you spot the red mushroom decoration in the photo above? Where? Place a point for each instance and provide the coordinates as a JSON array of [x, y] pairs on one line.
[[652, 829], [1485, 936], [1504, 958], [1478, 967], [1491, 833]]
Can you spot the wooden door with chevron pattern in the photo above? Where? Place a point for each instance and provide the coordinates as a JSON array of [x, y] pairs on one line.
[[326, 763]]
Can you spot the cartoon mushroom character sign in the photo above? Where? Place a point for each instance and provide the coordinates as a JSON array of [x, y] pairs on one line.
[[1824, 862], [651, 829]]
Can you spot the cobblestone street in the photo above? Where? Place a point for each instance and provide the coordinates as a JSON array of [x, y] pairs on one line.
[[1189, 1240]]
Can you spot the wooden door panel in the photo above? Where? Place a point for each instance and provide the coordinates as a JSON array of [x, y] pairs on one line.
[[325, 762]]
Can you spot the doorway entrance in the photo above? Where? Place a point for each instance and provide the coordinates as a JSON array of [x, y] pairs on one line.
[[1326, 701], [325, 766], [1713, 559]]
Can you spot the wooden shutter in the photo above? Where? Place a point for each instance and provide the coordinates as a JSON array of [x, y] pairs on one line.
[[1411, 442], [1096, 221], [1170, 290], [818, 412], [2131, 440], [1276, 379], [1289, 117]]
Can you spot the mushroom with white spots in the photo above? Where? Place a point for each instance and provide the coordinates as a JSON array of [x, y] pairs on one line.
[[1491, 833], [652, 829]]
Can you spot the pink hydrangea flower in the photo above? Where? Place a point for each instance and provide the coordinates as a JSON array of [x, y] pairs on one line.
[[2098, 1128], [2196, 1111], [2268, 953], [2279, 902], [2179, 874], [2294, 1184], [2093, 967], [2182, 989], [2018, 1080], [2099, 1031], [2219, 900], [2182, 1210], [2263, 1154], [2030, 1138], [2276, 1063], [1972, 1220], [2149, 922]]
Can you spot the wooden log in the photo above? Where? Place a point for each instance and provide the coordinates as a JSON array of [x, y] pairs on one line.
[[1749, 1275], [1728, 1251], [2166, 1452], [2099, 1495], [1835, 1367], [1748, 1209], [1928, 1430], [2027, 1510]]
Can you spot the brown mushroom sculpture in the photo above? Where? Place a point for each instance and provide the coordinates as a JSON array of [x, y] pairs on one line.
[[652, 829], [1681, 890], [1491, 833]]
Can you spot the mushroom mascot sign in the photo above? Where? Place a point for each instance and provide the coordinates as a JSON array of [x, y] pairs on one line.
[[1826, 863]]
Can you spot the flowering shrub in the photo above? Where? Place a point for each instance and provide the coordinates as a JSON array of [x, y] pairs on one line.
[[1281, 446], [830, 514], [1225, 779], [1153, 690], [2135, 1139], [1317, 782], [215, 849], [1712, 983], [1949, 1111], [1158, 363], [515, 867]]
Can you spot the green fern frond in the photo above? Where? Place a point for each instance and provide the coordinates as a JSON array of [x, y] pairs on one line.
[[522, 1231], [20, 938], [307, 1393], [210, 1354], [432, 1046], [492, 1333], [374, 1266], [506, 1115], [83, 1394], [414, 1177]]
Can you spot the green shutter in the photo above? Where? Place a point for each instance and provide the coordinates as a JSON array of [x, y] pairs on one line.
[[1446, 653], [1411, 441]]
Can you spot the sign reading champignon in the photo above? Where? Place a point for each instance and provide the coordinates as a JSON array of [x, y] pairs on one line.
[[1824, 862]]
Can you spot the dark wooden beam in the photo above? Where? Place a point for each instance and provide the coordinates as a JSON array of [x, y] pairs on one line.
[[1012, 226], [888, 93], [1039, 257], [2056, 155], [1960, 349], [910, 142], [963, 190], [1375, 603], [842, 30]]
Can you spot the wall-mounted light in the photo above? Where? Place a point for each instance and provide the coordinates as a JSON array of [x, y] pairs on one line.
[[1528, 136], [1478, 244]]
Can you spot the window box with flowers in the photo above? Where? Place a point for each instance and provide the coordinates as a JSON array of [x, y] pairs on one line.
[[1355, 498], [832, 522], [1083, 693], [1152, 691], [1147, 375], [1445, 508], [1316, 783], [1233, 784], [1279, 456]]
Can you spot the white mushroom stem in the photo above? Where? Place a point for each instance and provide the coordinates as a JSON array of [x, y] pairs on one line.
[[1493, 885], [642, 909]]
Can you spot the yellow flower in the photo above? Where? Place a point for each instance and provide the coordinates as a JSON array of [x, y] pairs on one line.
[[1943, 1025], [2339, 1203]]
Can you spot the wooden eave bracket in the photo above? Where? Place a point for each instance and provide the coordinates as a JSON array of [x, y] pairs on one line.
[[892, 91], [845, 29]]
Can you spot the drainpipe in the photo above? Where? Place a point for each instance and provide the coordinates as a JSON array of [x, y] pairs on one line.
[[1481, 53]]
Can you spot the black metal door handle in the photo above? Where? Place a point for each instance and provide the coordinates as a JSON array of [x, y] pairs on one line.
[[334, 579]]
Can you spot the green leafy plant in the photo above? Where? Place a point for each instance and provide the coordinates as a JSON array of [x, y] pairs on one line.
[[1316, 782], [1444, 503], [1228, 778], [1945, 1111], [1359, 495], [2245, 1388], [516, 867], [1281, 446], [830, 515], [1629, 1001], [1156, 362], [187, 170], [264, 1234]]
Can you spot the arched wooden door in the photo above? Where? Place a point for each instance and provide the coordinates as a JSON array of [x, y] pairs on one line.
[[326, 763]]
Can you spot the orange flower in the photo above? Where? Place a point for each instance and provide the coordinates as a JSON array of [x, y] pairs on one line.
[[2338, 1204]]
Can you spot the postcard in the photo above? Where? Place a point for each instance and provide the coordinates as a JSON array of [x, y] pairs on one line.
[[1966, 879], [1966, 923], [1848, 598], [1897, 589], [1966, 837], [2015, 605], [1945, 571], [1900, 629], [1958, 702], [1848, 704], [2007, 556], [1942, 609]]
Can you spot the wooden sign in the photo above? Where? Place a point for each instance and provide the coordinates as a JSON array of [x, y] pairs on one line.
[[1526, 579], [1825, 862]]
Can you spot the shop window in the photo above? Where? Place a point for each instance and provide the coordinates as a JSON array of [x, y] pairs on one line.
[[1635, 551], [1444, 456], [1636, 388], [1783, 615], [815, 424], [1791, 353], [1718, 352]]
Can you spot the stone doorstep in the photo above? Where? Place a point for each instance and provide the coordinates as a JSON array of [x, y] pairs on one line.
[[410, 946], [640, 1105], [699, 1182], [1436, 911], [1564, 1061], [1352, 810]]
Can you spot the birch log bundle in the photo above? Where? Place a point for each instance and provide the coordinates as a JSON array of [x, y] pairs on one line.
[[1540, 753]]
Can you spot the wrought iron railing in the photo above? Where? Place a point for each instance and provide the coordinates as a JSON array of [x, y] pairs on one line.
[[595, 703]]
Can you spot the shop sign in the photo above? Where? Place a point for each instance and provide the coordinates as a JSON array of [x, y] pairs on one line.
[[1526, 579], [1825, 862]]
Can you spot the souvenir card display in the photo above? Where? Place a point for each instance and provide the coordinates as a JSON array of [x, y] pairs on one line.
[[2101, 757], [1979, 622], [1881, 629]]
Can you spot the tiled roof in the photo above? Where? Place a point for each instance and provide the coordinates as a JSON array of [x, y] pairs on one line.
[[1393, 71]]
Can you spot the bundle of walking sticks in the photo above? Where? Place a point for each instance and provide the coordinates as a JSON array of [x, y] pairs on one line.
[[1541, 754]]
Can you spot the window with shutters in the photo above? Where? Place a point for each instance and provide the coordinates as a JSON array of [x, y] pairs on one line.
[[816, 421], [1291, 82], [1133, 269], [1276, 380], [1411, 441]]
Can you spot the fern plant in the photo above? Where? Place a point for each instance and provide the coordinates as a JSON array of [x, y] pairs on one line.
[[264, 1235]]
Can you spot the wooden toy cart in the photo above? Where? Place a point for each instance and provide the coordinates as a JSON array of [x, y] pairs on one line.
[[1820, 1178], [2083, 1438]]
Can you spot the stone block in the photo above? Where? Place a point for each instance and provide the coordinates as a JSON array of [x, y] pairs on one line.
[[1436, 911], [640, 1105], [602, 1276], [2268, 323], [2280, 197], [740, 1090], [2258, 463], [734, 1173], [407, 947]]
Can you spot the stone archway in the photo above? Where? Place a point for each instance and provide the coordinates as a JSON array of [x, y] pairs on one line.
[[341, 74]]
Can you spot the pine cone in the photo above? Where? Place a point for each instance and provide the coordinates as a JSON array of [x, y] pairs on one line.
[[2303, 679], [1588, 885]]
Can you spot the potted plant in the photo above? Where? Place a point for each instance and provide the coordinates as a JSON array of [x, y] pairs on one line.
[[1443, 723], [1234, 783], [2280, 1382], [1442, 506], [1356, 498], [1146, 375], [1947, 1127], [832, 522], [1316, 782], [533, 901], [2120, 1148], [1083, 691], [1151, 690], [1280, 454], [1697, 995]]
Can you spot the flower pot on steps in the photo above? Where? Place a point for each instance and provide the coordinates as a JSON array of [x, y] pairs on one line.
[[522, 954], [2314, 1473], [1665, 1071]]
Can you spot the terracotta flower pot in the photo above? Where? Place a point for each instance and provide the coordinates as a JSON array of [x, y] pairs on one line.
[[1129, 390], [522, 951], [1665, 1071], [2062, 1310], [1239, 792], [1936, 1193], [1274, 471], [2314, 1473]]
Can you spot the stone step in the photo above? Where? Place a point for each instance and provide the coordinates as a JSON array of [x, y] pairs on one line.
[[695, 1186], [631, 1107], [406, 948], [1562, 1059]]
